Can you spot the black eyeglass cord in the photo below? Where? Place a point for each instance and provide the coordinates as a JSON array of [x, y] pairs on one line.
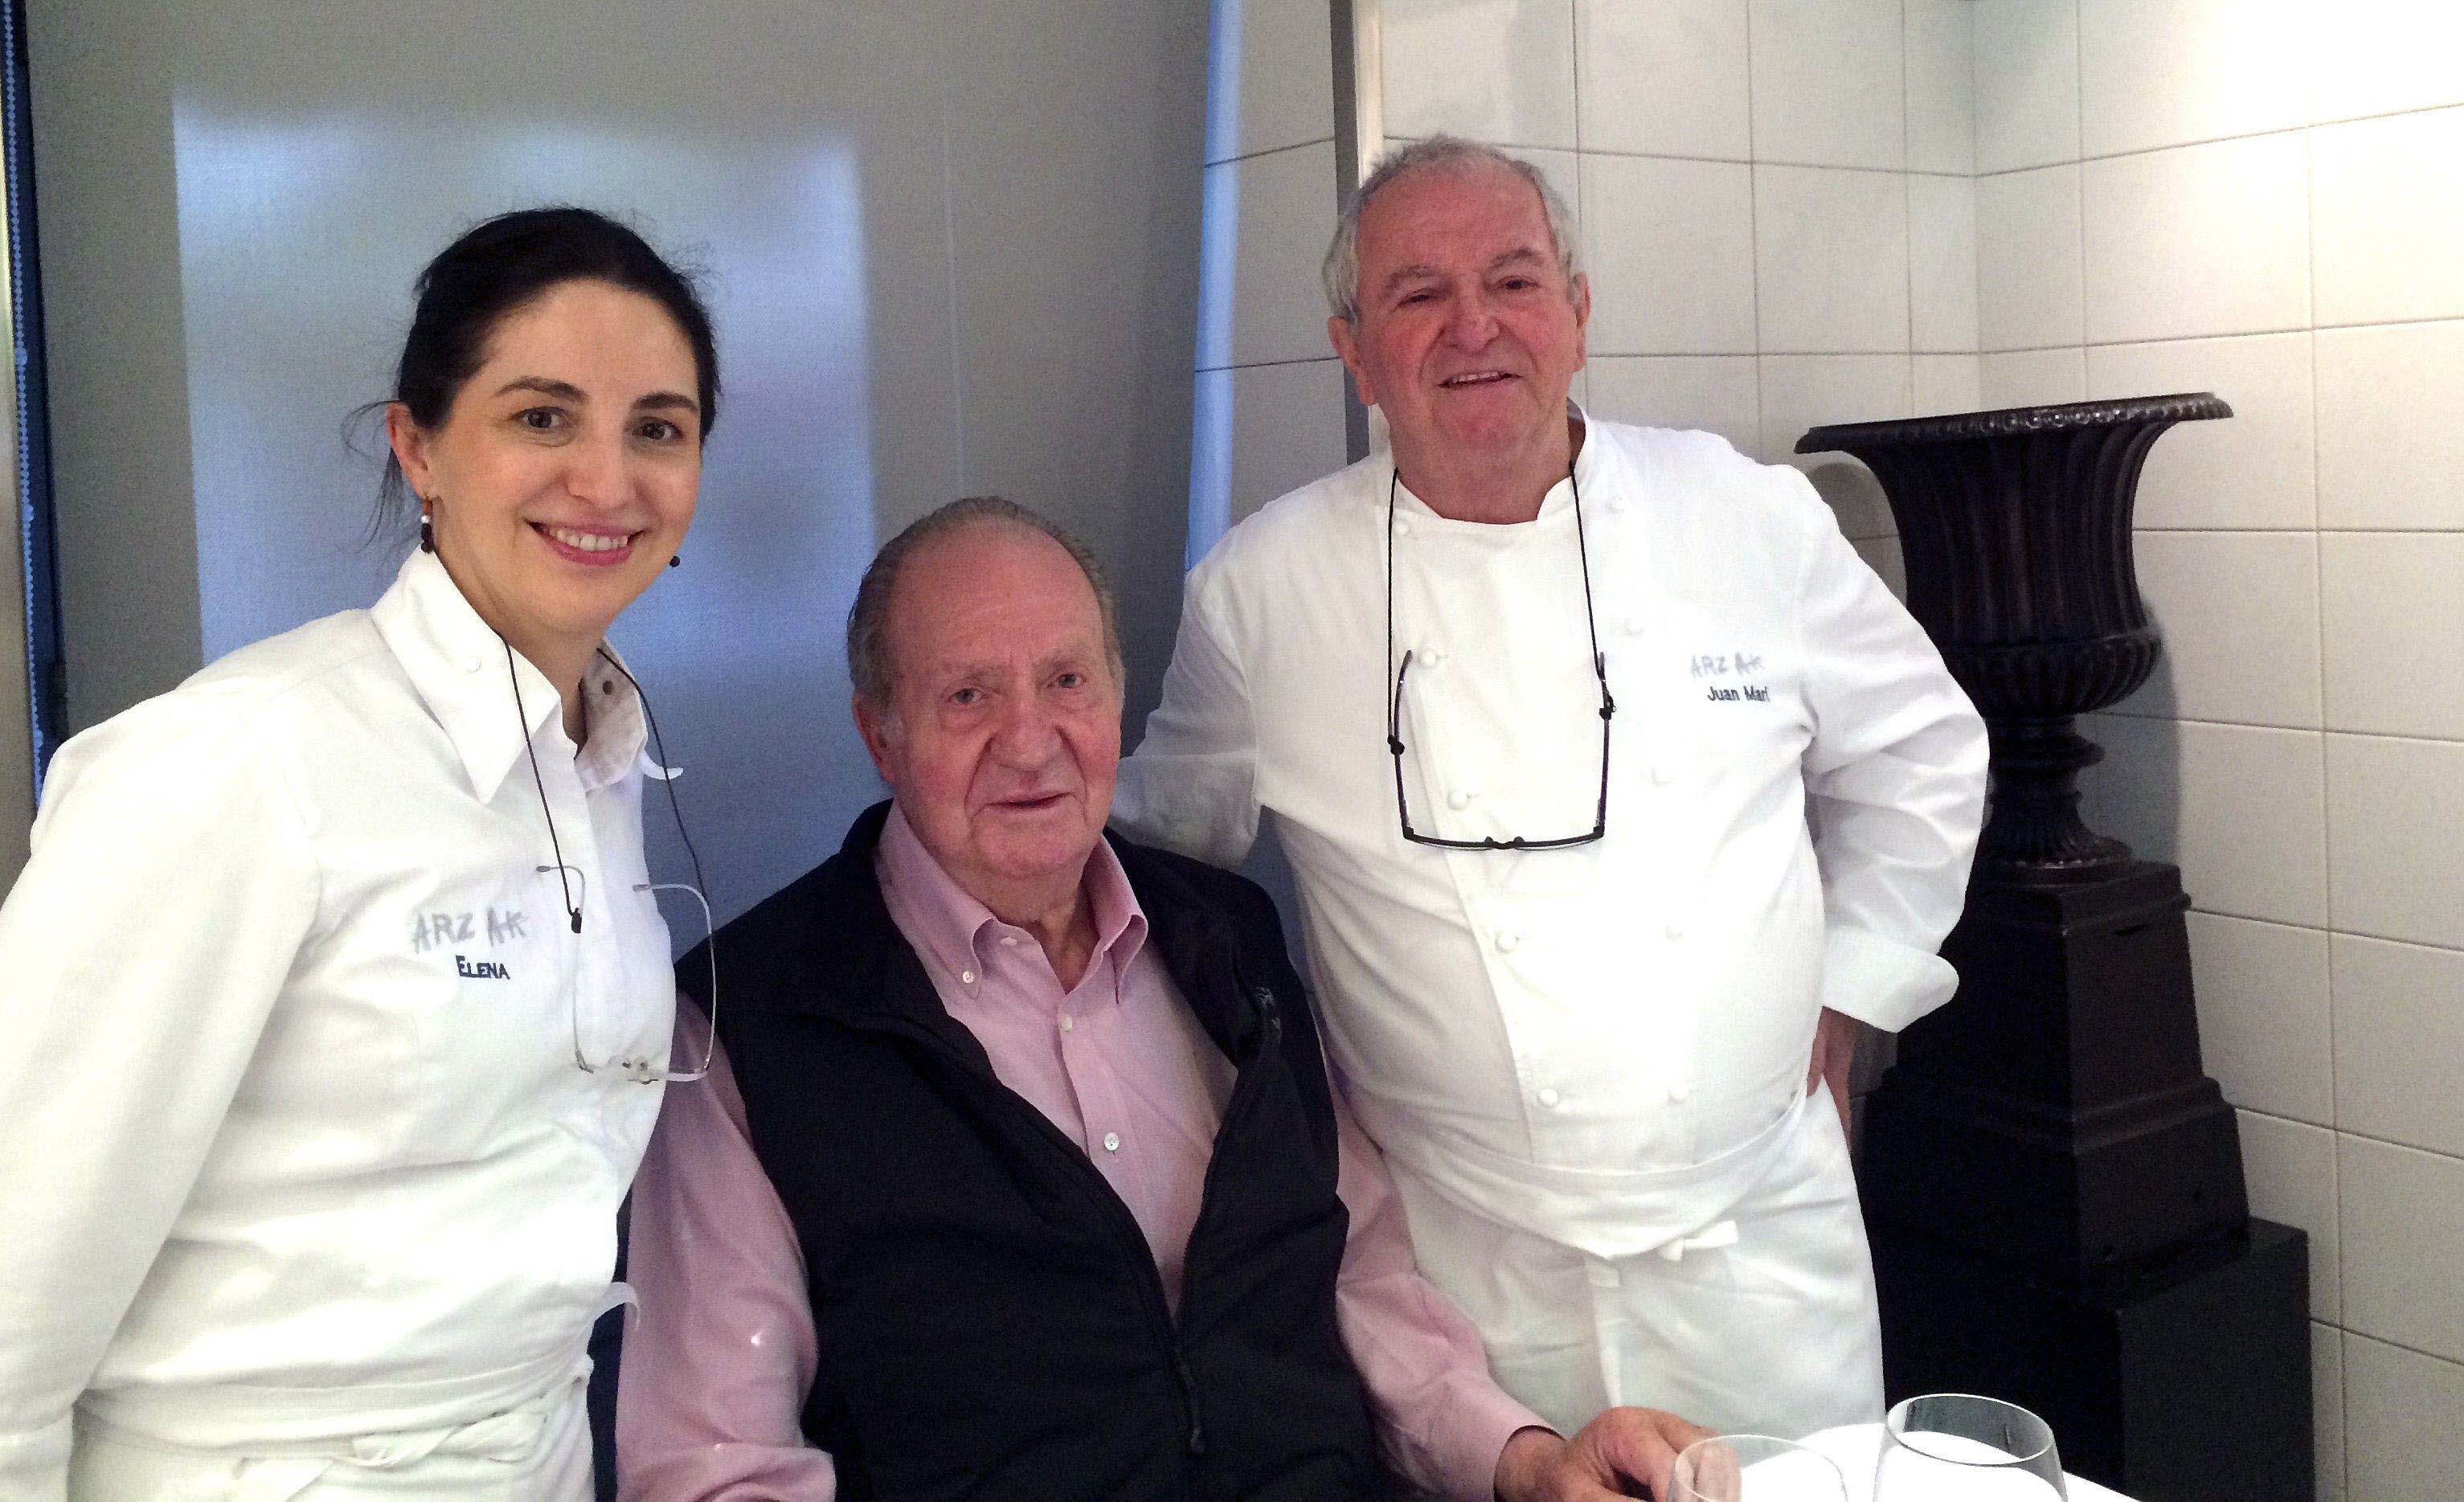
[[658, 748], [522, 713], [1599, 670]]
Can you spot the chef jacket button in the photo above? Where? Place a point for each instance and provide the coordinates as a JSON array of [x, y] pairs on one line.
[[1633, 626], [1434, 657], [1402, 526], [471, 663], [1507, 942], [1676, 931], [1111, 1142], [1662, 774], [1067, 1022], [1678, 1091], [1458, 800], [1548, 1097]]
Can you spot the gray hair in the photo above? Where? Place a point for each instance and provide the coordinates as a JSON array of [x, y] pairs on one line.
[[867, 631], [1341, 269]]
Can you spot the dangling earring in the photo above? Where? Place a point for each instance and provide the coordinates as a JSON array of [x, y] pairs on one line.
[[427, 534]]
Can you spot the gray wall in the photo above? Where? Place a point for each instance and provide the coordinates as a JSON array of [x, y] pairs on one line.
[[952, 248]]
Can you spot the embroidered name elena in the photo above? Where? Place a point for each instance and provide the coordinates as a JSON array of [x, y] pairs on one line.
[[481, 970], [1749, 694]]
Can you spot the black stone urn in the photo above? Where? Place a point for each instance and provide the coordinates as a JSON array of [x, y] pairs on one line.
[[2052, 1184], [2016, 529]]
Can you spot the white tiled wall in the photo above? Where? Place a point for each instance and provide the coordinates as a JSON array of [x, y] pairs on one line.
[[2265, 198], [1269, 408]]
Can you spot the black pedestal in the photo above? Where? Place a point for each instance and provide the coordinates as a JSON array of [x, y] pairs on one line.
[[2055, 1113], [2054, 1187], [2180, 1377]]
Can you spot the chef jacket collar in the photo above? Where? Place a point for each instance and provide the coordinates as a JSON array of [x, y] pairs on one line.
[[1591, 471], [456, 662]]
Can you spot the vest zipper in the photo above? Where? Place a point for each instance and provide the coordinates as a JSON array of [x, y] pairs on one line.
[[1158, 1308], [1244, 1088], [1244, 1091], [1189, 1395]]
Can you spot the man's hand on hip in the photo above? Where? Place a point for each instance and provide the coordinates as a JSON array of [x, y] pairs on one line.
[[1835, 1054], [1607, 1458]]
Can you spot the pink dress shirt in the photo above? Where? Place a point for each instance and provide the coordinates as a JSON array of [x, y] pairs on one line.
[[720, 1354]]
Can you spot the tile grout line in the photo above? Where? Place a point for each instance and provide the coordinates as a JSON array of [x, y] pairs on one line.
[[2218, 140], [2454, 950], [1574, 81], [1754, 239], [2286, 730], [2358, 1137], [1270, 364], [1907, 211], [2326, 807], [1268, 151], [2078, 168], [2398, 1345], [2237, 333]]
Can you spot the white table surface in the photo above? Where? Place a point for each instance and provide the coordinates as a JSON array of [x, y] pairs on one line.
[[1856, 1448]]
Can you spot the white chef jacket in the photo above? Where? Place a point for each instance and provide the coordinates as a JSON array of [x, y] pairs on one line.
[[297, 1151], [1602, 1046]]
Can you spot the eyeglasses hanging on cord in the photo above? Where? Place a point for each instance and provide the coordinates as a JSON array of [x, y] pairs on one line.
[[638, 1069], [1395, 704]]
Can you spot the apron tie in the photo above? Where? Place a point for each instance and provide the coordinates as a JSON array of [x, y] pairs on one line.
[[1710, 1238], [509, 1438]]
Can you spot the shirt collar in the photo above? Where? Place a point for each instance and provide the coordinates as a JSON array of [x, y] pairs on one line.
[[941, 919], [466, 674]]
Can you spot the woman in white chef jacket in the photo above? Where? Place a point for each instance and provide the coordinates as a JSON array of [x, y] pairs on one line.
[[337, 1000]]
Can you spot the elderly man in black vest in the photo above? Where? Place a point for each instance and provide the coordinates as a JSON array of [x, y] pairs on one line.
[[1019, 1173]]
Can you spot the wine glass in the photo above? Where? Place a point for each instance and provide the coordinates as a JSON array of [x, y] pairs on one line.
[[1754, 1467], [1959, 1447]]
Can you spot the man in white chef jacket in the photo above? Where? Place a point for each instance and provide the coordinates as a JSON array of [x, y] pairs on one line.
[[1587, 1059]]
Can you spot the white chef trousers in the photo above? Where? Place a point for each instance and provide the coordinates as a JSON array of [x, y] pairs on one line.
[[1775, 1332], [536, 1452]]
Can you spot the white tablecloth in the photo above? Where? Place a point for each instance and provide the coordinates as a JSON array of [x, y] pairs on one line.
[[1856, 1448]]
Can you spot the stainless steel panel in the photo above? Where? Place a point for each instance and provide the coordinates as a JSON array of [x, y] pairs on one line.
[[951, 247]]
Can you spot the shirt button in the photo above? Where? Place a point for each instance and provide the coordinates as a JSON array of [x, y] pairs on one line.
[[1663, 775], [1676, 931], [1458, 800], [1111, 1142], [1507, 944], [1402, 526], [1633, 626], [1067, 1022], [1678, 1092], [1548, 1097], [471, 663], [1434, 658]]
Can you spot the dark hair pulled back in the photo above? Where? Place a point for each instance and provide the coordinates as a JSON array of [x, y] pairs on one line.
[[500, 266]]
